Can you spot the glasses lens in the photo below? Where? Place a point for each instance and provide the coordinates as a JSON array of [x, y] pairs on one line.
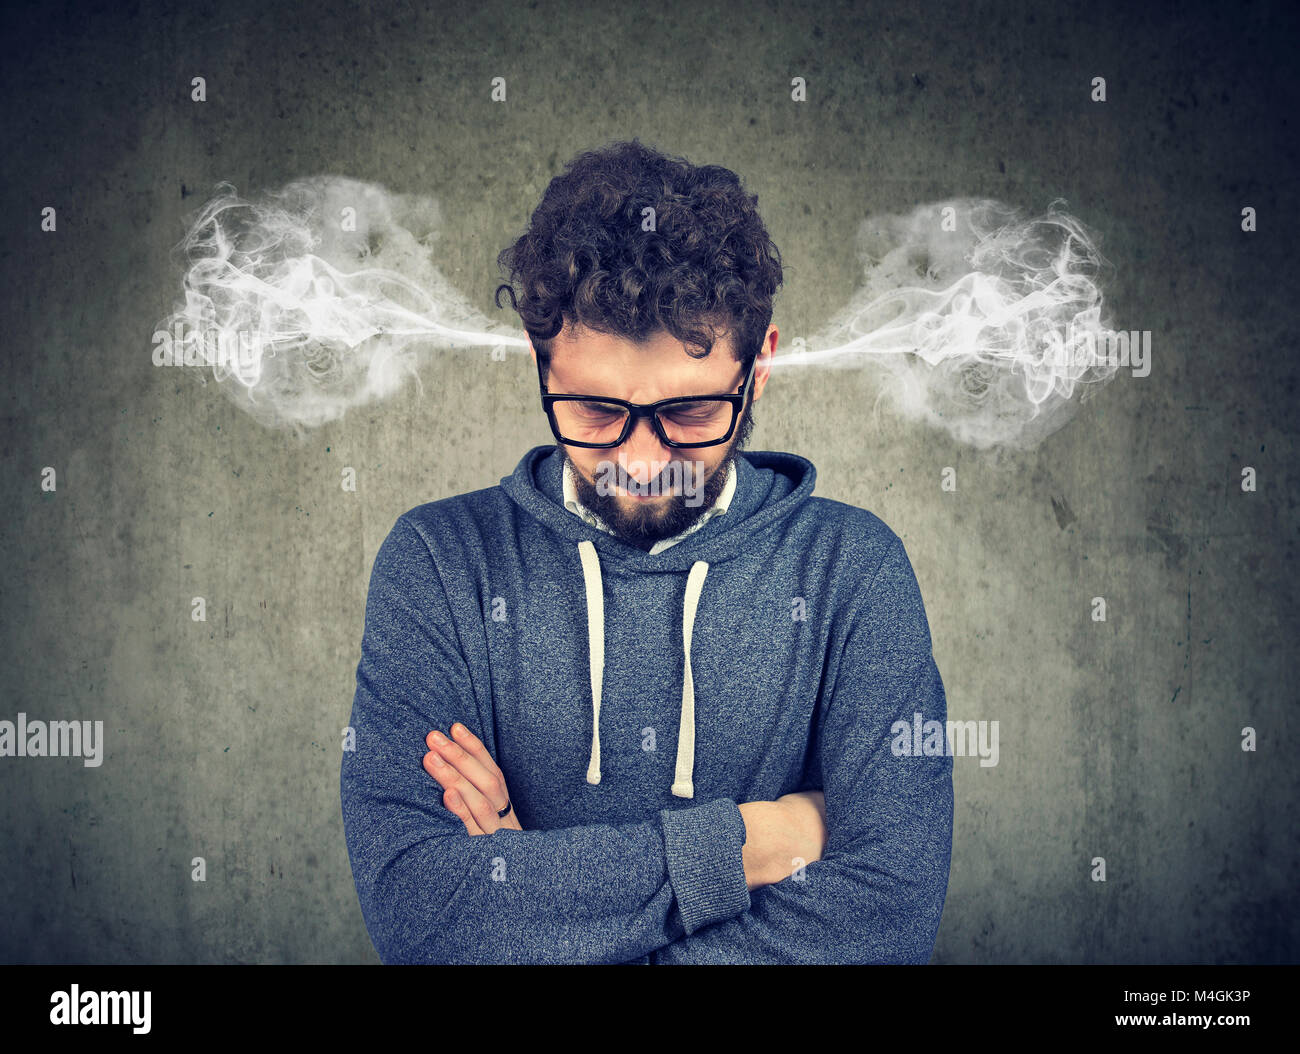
[[589, 421], [704, 421]]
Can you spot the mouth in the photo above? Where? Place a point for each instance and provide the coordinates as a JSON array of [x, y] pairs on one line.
[[640, 497]]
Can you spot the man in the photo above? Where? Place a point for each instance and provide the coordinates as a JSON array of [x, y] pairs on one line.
[[636, 702]]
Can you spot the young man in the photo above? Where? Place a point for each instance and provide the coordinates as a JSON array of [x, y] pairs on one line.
[[637, 702]]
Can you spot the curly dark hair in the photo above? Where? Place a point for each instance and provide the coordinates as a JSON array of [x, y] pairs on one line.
[[708, 270]]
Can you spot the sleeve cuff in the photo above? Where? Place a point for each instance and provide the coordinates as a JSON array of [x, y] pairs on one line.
[[705, 864]]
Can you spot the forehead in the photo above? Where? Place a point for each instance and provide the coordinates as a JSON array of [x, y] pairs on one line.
[[586, 362]]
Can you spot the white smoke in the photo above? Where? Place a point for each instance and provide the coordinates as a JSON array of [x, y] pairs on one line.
[[318, 297], [991, 330]]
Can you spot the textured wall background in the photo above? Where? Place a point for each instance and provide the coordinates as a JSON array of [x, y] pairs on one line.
[[1118, 739]]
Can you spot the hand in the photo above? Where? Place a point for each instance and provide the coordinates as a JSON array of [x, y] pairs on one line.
[[779, 832], [808, 812], [473, 785]]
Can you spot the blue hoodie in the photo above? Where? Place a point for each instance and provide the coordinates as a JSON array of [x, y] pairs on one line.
[[632, 701]]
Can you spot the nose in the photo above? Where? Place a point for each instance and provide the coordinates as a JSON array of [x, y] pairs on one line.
[[644, 445]]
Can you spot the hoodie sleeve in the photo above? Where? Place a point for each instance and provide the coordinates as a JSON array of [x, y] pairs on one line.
[[877, 893], [432, 893]]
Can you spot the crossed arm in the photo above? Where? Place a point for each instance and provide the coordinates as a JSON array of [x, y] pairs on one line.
[[780, 836]]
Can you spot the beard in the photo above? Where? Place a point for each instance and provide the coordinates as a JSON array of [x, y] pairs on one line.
[[644, 525]]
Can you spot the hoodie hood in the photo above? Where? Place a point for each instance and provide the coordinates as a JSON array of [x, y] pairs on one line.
[[770, 486]]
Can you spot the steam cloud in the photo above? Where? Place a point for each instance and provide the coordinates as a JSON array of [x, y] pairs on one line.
[[1002, 331], [300, 318]]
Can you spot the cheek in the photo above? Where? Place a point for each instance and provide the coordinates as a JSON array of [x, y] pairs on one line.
[[599, 472], [581, 461], [597, 469], [699, 470]]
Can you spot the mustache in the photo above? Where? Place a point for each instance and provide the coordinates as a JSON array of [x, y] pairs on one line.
[[686, 477]]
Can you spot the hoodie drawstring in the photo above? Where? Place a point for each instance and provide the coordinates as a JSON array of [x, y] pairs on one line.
[[595, 647], [683, 776]]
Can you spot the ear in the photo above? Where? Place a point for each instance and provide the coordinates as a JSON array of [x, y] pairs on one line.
[[763, 369]]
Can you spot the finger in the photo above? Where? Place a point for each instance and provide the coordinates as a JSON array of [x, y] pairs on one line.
[[441, 772], [489, 783], [452, 799], [480, 809], [464, 746], [446, 775], [475, 748]]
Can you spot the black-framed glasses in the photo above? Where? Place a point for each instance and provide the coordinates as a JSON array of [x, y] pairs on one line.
[[598, 421]]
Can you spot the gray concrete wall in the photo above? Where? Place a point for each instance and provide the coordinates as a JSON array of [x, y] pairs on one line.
[[1119, 740]]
